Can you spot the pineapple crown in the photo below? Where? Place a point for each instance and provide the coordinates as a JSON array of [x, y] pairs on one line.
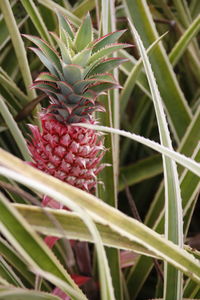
[[79, 73]]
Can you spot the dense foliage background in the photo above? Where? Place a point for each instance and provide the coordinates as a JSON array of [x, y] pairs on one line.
[[132, 184]]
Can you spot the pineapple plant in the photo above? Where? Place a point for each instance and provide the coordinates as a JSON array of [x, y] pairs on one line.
[[78, 72]]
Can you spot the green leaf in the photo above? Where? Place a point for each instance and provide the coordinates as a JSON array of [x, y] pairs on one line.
[[8, 83], [187, 162], [66, 89], [50, 53], [127, 68], [82, 57], [174, 100], [173, 201], [74, 228], [70, 45], [9, 274], [103, 86], [105, 214], [107, 77], [139, 171], [107, 51], [45, 86], [65, 25], [81, 85], [45, 76], [106, 65], [37, 20], [179, 48], [18, 46], [65, 53], [46, 62], [83, 7], [35, 252], [32, 257], [187, 146], [106, 40], [52, 5], [132, 78], [140, 271], [12, 293], [15, 260], [189, 185], [191, 289], [14, 129], [84, 35], [189, 189], [72, 73], [5, 37]]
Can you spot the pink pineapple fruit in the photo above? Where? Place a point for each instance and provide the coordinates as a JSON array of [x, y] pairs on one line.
[[77, 75]]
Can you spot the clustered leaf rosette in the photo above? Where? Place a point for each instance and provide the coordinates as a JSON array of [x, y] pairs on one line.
[[79, 73]]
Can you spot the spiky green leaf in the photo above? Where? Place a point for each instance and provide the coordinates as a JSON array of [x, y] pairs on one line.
[[73, 98], [81, 85], [72, 73], [82, 57], [107, 51], [107, 39], [108, 77], [103, 86], [106, 65], [46, 62], [45, 76], [65, 87], [65, 54], [84, 35], [44, 86], [65, 25], [13, 293], [47, 50]]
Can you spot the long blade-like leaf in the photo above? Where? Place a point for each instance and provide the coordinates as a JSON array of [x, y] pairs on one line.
[[177, 108], [35, 252], [104, 213], [173, 208], [14, 129], [74, 228], [12, 293], [18, 46], [179, 158]]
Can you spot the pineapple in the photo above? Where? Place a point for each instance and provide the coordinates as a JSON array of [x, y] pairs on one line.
[[76, 76]]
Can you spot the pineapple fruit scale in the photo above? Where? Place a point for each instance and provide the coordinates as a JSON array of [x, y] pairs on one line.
[[77, 74]]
